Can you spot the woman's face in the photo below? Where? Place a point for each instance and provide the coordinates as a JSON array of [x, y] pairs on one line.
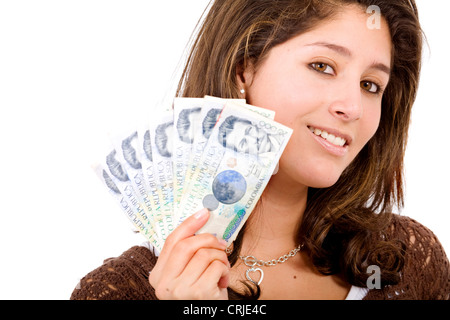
[[325, 84]]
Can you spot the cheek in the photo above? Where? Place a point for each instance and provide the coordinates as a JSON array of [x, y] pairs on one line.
[[309, 171], [306, 164], [283, 91], [369, 124]]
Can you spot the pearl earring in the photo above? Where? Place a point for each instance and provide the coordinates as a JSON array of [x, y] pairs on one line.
[[242, 91]]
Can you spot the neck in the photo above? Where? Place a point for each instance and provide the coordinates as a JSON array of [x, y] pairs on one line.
[[272, 227]]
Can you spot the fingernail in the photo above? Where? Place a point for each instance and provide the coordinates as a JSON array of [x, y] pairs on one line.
[[222, 241], [201, 213]]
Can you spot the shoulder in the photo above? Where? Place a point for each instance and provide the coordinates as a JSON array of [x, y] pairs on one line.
[[404, 226], [426, 272], [421, 243], [120, 278]]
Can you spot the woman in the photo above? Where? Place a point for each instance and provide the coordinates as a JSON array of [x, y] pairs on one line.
[[346, 86]]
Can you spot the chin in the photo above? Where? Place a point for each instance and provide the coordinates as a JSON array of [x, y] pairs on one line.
[[322, 177], [315, 174], [320, 184]]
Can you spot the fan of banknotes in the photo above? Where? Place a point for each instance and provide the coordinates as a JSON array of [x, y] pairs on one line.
[[201, 152]]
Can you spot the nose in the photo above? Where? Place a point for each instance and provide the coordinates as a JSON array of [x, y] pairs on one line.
[[347, 104]]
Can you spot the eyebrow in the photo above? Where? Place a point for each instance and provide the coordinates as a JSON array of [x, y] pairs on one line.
[[339, 49], [382, 67], [347, 53]]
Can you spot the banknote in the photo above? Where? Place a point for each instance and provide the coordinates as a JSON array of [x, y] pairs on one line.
[[144, 149], [126, 144], [202, 152], [186, 116], [129, 154], [130, 205], [237, 162], [209, 116], [161, 138]]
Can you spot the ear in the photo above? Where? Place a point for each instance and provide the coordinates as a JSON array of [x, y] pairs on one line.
[[244, 76]]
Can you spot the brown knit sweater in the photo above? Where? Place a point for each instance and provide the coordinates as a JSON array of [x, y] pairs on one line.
[[425, 275]]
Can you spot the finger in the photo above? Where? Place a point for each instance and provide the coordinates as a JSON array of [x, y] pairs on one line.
[[184, 251], [186, 229], [200, 262], [224, 281], [214, 280]]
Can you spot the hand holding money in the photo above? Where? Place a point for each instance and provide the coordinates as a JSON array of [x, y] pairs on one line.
[[207, 152]]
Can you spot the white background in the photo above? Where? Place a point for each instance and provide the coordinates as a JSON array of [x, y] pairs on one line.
[[72, 70]]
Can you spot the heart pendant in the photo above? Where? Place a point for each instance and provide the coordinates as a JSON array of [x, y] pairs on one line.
[[261, 277]]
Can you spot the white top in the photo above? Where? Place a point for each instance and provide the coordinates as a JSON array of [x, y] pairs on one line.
[[355, 293]]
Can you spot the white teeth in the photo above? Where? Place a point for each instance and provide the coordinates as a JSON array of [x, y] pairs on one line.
[[338, 141], [331, 138]]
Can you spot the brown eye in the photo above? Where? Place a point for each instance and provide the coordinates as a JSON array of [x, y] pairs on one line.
[[369, 86], [322, 68]]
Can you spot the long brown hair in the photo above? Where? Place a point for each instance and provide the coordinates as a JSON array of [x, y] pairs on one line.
[[343, 225]]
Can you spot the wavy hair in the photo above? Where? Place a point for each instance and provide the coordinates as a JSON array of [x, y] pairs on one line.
[[343, 225]]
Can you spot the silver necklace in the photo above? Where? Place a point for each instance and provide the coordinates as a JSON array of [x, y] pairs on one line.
[[255, 264]]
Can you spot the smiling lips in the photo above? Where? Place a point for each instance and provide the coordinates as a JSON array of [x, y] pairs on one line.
[[331, 138]]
